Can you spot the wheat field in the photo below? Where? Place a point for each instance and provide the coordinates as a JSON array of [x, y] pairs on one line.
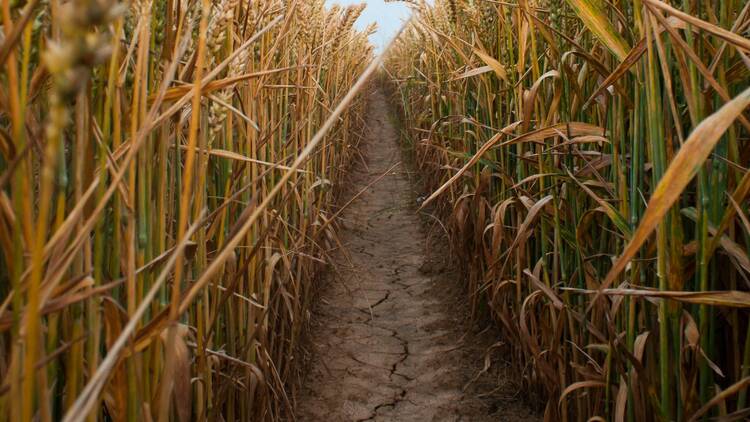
[[589, 158], [165, 175], [171, 178]]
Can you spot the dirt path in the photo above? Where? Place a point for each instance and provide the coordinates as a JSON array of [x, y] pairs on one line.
[[389, 340]]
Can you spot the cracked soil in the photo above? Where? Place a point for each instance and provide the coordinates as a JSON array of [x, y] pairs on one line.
[[389, 337]]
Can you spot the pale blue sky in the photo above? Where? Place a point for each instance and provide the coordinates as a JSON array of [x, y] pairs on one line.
[[389, 17]]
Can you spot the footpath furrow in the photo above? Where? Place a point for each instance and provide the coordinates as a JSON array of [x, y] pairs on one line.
[[388, 341]]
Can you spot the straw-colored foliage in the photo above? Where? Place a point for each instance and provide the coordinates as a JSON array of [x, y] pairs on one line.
[[591, 159], [165, 200]]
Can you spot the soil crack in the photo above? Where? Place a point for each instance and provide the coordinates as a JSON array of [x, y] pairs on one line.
[[387, 295]]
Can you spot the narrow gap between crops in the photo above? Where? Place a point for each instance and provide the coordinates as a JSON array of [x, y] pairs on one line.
[[390, 338]]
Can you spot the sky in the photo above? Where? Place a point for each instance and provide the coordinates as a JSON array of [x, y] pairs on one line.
[[388, 16]]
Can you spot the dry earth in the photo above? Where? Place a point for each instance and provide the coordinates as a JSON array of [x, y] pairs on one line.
[[390, 340]]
